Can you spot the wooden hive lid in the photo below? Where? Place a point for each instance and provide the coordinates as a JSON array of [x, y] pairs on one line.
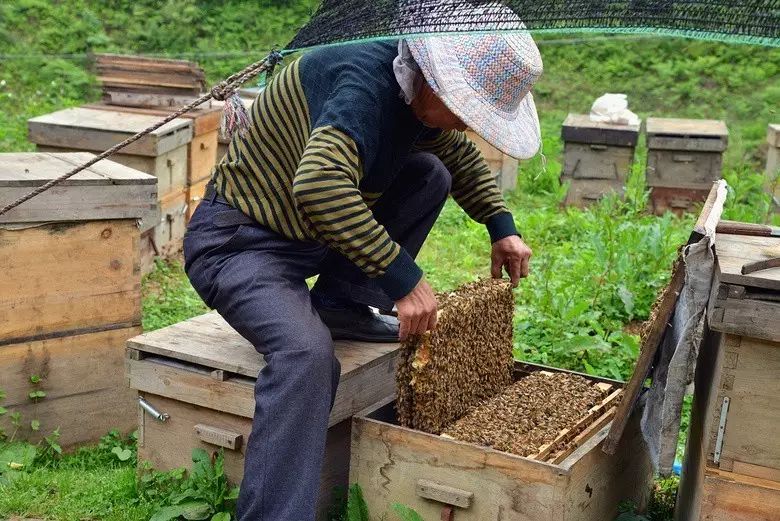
[[82, 128], [205, 118], [708, 128], [207, 340], [579, 128], [734, 251], [106, 190], [773, 134]]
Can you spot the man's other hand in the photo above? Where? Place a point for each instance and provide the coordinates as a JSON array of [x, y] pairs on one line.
[[417, 311], [510, 254]]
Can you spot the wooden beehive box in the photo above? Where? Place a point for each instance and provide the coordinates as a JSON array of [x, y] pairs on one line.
[[684, 158], [503, 167], [732, 467], [202, 150], [439, 476], [202, 373], [597, 157], [163, 154], [70, 293]]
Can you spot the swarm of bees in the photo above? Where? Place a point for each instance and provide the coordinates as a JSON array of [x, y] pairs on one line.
[[463, 362], [529, 413], [456, 381]]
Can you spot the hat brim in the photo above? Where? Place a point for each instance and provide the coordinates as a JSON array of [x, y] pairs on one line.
[[516, 134]]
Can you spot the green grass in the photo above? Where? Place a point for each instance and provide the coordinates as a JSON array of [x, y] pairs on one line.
[[594, 271]]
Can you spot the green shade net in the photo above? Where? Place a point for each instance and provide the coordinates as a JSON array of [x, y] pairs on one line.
[[339, 21]]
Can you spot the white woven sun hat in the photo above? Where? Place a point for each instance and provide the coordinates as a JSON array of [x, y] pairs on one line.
[[486, 80]]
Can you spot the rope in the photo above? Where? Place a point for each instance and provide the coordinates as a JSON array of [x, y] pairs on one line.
[[220, 92]]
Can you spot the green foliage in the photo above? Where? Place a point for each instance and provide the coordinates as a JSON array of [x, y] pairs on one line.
[[205, 494], [15, 458], [663, 499], [405, 513], [168, 296], [357, 510]]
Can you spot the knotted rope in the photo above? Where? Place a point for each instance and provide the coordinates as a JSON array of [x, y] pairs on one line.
[[234, 119]]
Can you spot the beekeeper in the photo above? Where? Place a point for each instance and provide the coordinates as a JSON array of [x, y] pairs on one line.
[[350, 155]]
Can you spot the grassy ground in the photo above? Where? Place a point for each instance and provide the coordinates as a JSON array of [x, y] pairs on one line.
[[595, 271]]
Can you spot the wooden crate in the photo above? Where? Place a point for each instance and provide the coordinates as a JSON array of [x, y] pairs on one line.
[[440, 477], [202, 373], [733, 447], [676, 200], [684, 154], [70, 296], [594, 150], [165, 238], [503, 167], [202, 150], [163, 153]]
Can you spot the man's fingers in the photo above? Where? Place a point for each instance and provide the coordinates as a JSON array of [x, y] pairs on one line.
[[495, 267], [525, 268], [514, 269], [432, 321], [403, 329]]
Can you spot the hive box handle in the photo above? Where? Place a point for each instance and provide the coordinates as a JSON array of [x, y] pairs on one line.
[[444, 494], [219, 437]]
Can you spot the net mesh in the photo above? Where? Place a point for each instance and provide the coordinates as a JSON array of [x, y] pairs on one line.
[[340, 21]]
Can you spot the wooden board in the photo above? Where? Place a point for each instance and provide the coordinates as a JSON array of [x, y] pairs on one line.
[[205, 118], [107, 190], [169, 168], [677, 200], [98, 130], [82, 376], [503, 166], [731, 497], [67, 277], [734, 251], [359, 387], [750, 379], [683, 170], [579, 128], [686, 134], [168, 445], [209, 341], [201, 157]]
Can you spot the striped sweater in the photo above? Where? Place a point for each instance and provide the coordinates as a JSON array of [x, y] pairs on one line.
[[327, 137]]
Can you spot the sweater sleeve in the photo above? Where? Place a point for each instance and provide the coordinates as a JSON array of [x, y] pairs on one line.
[[474, 187], [325, 190]]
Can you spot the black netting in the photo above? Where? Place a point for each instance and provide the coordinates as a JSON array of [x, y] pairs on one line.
[[346, 20]]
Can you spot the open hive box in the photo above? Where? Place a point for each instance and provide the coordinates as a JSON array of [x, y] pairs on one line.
[[461, 398]]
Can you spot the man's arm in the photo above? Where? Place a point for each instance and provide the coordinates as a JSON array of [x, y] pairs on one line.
[[326, 193], [474, 188]]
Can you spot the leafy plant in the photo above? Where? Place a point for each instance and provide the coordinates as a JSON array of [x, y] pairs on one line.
[[406, 513], [357, 510], [205, 494]]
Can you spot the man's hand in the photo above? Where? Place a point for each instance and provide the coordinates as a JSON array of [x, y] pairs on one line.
[[511, 254], [417, 311]]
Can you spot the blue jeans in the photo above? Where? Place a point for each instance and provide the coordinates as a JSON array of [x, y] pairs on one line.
[[256, 279]]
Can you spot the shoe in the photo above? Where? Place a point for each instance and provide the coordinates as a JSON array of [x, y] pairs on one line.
[[359, 323]]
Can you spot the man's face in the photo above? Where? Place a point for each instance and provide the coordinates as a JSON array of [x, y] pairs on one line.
[[432, 111]]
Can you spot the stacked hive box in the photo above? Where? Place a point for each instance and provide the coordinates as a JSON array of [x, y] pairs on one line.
[[684, 158], [163, 154], [201, 374], [70, 292], [202, 150], [732, 466], [597, 158], [773, 162]]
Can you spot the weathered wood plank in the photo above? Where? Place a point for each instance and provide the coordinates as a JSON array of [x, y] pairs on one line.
[[68, 277], [731, 497], [580, 129], [97, 130]]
